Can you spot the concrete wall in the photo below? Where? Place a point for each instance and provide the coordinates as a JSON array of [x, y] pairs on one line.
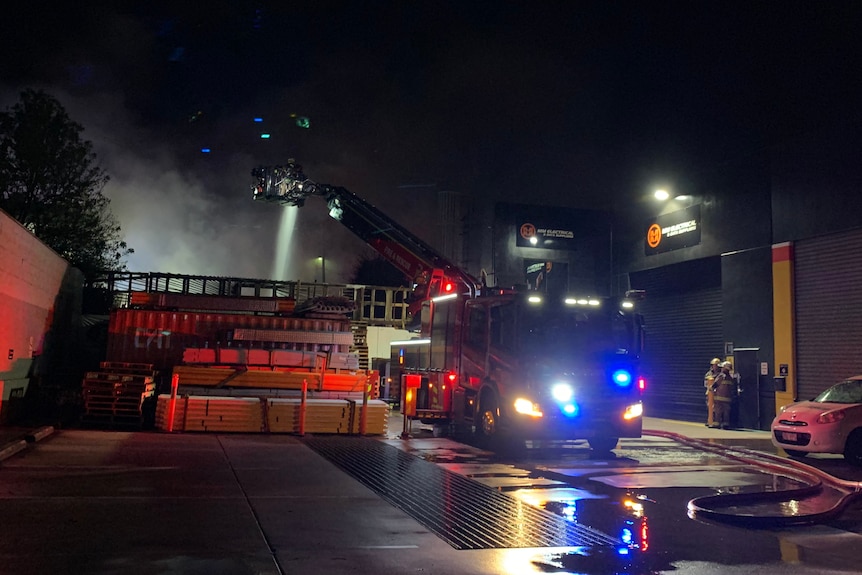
[[817, 184], [735, 214], [379, 339], [585, 257], [31, 276]]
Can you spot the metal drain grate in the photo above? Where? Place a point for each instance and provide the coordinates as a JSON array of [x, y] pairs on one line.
[[462, 512]]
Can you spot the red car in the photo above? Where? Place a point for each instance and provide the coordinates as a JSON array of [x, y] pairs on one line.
[[829, 423]]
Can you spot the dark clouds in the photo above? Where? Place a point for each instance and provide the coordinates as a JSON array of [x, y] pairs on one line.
[[560, 103]]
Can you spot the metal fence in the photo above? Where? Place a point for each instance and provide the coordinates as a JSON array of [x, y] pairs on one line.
[[374, 305]]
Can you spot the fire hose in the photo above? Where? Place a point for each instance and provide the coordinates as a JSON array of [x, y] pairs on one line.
[[837, 494]]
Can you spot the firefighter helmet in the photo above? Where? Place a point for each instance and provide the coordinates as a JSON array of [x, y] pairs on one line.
[[715, 361], [725, 364]]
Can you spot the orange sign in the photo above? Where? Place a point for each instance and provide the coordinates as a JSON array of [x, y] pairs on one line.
[[528, 231], [653, 236]]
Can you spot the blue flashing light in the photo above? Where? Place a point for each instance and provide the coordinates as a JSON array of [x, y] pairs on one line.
[[264, 136], [205, 150], [623, 551], [622, 378], [571, 409], [258, 119]]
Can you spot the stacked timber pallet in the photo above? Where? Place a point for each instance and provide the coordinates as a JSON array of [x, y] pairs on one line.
[[118, 394], [222, 414], [226, 377], [272, 415]]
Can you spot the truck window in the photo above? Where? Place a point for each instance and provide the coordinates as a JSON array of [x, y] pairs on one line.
[[503, 326], [477, 328], [593, 332], [442, 333]]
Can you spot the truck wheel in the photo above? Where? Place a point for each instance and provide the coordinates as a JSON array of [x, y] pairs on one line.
[[603, 444], [488, 425], [853, 447]]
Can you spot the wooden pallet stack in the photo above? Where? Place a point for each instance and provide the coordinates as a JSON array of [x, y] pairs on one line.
[[118, 394], [270, 415]]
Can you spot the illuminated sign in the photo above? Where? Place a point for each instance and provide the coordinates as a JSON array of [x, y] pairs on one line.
[[673, 231], [531, 235], [553, 227], [547, 276]]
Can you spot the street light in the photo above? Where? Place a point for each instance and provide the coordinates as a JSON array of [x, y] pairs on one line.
[[322, 269]]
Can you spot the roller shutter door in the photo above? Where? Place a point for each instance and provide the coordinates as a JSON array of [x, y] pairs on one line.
[[683, 316], [828, 278]]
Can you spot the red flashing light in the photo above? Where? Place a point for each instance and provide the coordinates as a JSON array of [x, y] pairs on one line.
[[642, 383], [452, 377], [448, 287]]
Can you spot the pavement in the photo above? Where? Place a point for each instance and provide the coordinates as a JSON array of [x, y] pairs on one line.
[[14, 439], [150, 502], [700, 430]]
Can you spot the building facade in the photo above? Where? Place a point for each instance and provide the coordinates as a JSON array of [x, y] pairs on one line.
[[756, 263]]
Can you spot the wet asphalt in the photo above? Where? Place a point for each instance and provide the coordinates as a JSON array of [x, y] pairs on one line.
[[99, 501]]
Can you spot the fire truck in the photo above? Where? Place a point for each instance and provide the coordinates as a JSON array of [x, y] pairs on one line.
[[502, 364]]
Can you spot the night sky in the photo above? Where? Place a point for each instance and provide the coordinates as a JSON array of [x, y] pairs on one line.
[[568, 103]]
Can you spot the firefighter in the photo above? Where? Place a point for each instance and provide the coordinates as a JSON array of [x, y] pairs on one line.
[[708, 380], [724, 387]]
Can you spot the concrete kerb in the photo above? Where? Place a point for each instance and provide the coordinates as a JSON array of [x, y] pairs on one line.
[[40, 434], [14, 446]]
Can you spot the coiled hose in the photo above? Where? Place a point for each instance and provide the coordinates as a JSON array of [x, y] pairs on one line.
[[836, 494]]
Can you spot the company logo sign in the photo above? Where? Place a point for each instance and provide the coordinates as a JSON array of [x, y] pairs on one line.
[[673, 231], [540, 236]]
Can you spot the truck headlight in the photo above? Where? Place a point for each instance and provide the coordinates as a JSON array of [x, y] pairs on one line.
[[562, 392], [527, 407], [633, 411]]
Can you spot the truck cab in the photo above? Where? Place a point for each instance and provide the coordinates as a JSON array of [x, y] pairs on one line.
[[525, 365]]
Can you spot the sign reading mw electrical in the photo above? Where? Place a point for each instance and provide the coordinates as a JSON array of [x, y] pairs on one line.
[[673, 231]]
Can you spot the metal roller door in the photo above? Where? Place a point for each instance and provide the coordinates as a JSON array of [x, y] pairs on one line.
[[682, 311], [828, 278]]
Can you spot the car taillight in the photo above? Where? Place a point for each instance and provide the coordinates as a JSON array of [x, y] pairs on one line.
[[831, 416]]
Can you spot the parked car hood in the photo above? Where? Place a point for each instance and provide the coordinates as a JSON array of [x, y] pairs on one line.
[[806, 410]]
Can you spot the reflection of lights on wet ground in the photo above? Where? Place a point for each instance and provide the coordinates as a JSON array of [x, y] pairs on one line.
[[790, 508], [636, 508], [623, 519], [620, 560], [644, 535], [626, 536], [531, 560]]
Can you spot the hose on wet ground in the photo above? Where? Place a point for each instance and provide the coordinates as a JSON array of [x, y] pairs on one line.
[[720, 507]]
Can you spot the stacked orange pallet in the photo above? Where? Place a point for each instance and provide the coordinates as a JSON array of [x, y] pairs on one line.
[[219, 414], [254, 415], [276, 379]]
